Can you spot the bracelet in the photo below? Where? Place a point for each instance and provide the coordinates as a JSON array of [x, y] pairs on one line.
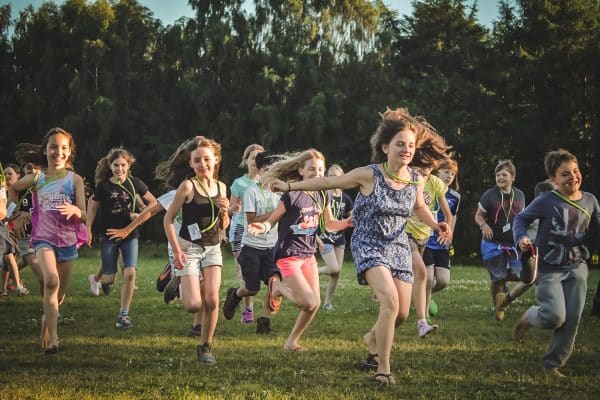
[[267, 226], [289, 187]]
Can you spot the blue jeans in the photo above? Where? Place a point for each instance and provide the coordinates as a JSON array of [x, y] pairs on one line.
[[110, 253], [561, 298]]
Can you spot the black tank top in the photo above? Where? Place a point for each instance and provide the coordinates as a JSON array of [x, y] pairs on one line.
[[198, 211]]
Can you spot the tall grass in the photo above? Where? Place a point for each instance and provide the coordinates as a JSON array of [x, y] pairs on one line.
[[471, 357]]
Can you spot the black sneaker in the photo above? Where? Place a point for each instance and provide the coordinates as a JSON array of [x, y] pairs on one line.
[[164, 278], [231, 303], [171, 291], [106, 288], [263, 326], [195, 330], [204, 353]]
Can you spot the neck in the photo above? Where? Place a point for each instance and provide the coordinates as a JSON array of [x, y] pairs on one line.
[[53, 171], [117, 180], [507, 190], [204, 180], [337, 192], [254, 175]]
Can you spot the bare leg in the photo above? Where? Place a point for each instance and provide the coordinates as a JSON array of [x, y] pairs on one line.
[[212, 283], [305, 287]]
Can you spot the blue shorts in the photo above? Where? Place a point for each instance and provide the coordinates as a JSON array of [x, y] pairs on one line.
[[62, 254], [503, 267], [328, 248], [109, 252]]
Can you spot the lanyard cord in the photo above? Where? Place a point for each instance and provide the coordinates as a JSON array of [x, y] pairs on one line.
[[321, 208], [132, 195], [213, 219], [573, 204], [396, 178], [510, 206]]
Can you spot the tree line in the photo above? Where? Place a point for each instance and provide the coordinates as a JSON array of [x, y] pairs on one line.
[[292, 74]]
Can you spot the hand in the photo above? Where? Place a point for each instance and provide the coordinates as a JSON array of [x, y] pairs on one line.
[[256, 228], [235, 208], [320, 245], [487, 232], [444, 234], [180, 259], [524, 243], [68, 210], [117, 234], [279, 186], [223, 203]]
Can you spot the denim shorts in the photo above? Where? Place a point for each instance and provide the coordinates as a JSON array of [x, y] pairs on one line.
[[503, 267], [109, 251], [62, 254], [198, 257]]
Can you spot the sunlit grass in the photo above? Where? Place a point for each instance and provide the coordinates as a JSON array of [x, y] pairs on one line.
[[472, 356]]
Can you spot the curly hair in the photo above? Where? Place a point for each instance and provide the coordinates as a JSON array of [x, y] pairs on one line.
[[103, 171]]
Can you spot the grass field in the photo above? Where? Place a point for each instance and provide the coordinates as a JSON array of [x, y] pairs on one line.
[[471, 357]]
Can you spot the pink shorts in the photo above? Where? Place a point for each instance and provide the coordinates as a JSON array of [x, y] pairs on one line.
[[291, 266]]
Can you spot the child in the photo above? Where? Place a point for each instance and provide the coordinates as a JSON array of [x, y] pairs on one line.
[[436, 256], [434, 194], [565, 215], [300, 215], [115, 194], [201, 197], [58, 214], [256, 257], [388, 192], [238, 218], [496, 211], [332, 244]]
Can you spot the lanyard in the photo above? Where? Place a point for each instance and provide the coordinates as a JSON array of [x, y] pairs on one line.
[[510, 205], [573, 204], [396, 178], [213, 219], [2, 177], [49, 180], [119, 184], [321, 208]]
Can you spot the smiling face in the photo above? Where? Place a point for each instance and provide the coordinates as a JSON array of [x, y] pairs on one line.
[[313, 168], [504, 180], [31, 168], [203, 161], [401, 149], [446, 175], [119, 168], [58, 151], [567, 178]]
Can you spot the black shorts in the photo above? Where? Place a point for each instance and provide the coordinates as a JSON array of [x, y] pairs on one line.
[[256, 265], [437, 257]]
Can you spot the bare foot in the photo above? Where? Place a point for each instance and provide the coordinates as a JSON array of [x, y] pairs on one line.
[[295, 347], [369, 339], [554, 372], [522, 327]]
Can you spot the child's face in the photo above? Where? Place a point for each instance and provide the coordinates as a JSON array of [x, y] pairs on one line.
[[446, 175], [504, 179], [567, 178], [11, 176], [58, 150], [119, 168], [251, 161], [401, 149], [313, 168], [203, 161], [31, 168]]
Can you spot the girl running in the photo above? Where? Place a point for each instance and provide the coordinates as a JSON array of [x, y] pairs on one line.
[[201, 197], [300, 215], [437, 256], [57, 220], [238, 219], [115, 194], [388, 192], [333, 244]]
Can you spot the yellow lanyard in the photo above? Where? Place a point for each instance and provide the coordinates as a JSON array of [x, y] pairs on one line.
[[510, 204], [321, 208], [213, 219], [395, 177], [132, 195], [573, 204]]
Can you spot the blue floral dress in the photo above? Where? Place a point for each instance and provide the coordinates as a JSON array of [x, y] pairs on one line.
[[379, 221]]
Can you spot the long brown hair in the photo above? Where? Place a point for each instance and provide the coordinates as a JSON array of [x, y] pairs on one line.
[[103, 171], [35, 153]]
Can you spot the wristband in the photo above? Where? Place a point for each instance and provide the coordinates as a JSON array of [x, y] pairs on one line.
[[267, 226]]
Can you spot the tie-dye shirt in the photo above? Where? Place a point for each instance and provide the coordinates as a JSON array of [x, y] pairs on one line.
[[47, 223]]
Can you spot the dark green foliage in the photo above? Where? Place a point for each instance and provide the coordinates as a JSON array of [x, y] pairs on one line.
[[296, 74]]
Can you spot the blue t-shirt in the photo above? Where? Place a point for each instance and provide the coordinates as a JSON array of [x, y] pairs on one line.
[[453, 198], [299, 225], [561, 231]]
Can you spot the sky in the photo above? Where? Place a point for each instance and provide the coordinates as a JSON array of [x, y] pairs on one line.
[[170, 10]]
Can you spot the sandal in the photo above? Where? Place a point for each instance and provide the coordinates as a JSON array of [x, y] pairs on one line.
[[51, 349], [370, 362], [385, 379], [273, 304]]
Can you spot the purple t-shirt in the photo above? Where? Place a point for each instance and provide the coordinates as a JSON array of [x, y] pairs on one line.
[[299, 224]]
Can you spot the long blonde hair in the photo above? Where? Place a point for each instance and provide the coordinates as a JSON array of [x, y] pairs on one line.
[[247, 152], [287, 168]]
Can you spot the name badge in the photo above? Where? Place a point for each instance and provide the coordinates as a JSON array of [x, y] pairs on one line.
[[506, 228], [194, 231], [9, 210]]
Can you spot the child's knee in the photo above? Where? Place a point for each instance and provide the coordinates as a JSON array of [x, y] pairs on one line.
[[51, 282]]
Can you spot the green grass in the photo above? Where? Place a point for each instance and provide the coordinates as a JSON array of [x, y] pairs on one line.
[[471, 357]]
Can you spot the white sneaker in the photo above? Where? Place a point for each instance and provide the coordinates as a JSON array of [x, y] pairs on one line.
[[94, 286], [426, 329]]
